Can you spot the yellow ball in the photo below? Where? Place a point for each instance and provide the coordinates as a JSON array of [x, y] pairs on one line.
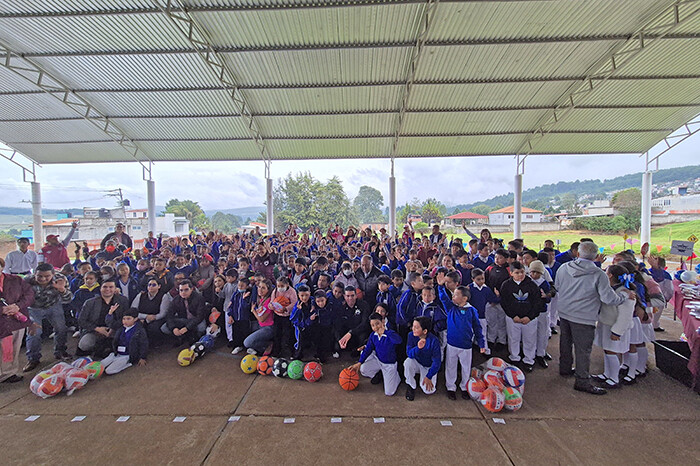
[[186, 357], [249, 364]]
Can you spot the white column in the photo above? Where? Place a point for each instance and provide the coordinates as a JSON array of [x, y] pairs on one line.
[[151, 188], [646, 207], [518, 207], [270, 214], [38, 230], [392, 205]]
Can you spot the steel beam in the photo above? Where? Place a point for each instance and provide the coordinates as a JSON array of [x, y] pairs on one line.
[[669, 142], [662, 24], [11, 156]]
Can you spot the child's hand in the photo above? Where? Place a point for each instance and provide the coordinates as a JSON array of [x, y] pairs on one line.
[[313, 316], [482, 350], [517, 320], [355, 367], [525, 320], [142, 362], [497, 293], [543, 294], [421, 343], [361, 348], [614, 337], [230, 320], [428, 384]]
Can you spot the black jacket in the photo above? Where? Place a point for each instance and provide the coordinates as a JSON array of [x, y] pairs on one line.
[[90, 313], [138, 346], [523, 300], [198, 308]]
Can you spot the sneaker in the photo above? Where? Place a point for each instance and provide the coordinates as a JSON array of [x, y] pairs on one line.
[[659, 329], [410, 393], [451, 395], [336, 355], [554, 331], [377, 379], [30, 366], [547, 357], [252, 351], [237, 350], [542, 362], [76, 334], [527, 367], [53, 334]]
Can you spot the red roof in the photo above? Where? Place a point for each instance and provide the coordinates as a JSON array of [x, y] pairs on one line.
[[467, 216], [511, 209]]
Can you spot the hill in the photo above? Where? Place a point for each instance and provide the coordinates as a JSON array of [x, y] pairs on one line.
[[243, 212]]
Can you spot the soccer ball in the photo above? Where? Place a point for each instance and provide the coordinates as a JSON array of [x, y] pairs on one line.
[[81, 362], [265, 365], [208, 342], [496, 364], [477, 373], [95, 369], [199, 349], [50, 386], [313, 371], [295, 370], [512, 398], [279, 369], [492, 399], [249, 364], [476, 387], [36, 381], [513, 377], [494, 378], [60, 368], [75, 380], [186, 357]]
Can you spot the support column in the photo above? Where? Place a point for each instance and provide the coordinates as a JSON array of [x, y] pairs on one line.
[[270, 213], [151, 188], [645, 236], [38, 231], [392, 201], [518, 206]]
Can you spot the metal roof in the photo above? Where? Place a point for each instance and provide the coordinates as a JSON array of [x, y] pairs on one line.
[[118, 80]]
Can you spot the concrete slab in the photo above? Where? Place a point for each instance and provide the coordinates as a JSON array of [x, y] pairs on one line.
[[212, 385], [101, 440], [284, 397], [361, 441], [599, 442]]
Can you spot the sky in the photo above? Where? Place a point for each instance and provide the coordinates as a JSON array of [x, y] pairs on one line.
[[225, 185]]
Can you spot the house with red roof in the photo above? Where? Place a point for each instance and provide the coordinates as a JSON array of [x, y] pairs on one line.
[[505, 216], [469, 218]]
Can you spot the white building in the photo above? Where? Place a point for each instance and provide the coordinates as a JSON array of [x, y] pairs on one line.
[[688, 204], [505, 216], [599, 208]]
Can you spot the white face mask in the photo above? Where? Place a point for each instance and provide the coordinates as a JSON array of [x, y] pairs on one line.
[[281, 289], [105, 277], [242, 290], [347, 272]]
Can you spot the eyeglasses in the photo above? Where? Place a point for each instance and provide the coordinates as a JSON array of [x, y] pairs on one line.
[[152, 284]]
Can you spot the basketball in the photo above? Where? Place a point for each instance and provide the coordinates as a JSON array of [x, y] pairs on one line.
[[60, 368], [494, 378], [513, 377], [208, 342], [492, 399], [349, 379], [50, 386], [313, 371], [512, 398], [36, 381], [476, 387], [477, 373], [185, 357], [265, 365], [75, 380], [280, 367], [295, 370], [95, 369], [81, 362], [496, 364], [249, 364]]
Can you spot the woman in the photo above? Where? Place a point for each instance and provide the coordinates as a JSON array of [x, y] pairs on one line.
[[258, 341], [151, 309]]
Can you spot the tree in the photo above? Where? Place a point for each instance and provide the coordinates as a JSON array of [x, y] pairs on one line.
[[482, 209], [188, 209], [432, 211], [410, 208], [225, 223], [368, 205], [629, 204]]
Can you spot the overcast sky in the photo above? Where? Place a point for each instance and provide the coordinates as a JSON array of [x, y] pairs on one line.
[[223, 185]]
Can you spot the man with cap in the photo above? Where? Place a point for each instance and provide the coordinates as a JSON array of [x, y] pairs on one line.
[[23, 261], [119, 235], [54, 251]]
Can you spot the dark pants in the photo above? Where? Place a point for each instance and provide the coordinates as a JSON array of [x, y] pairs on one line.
[[155, 336], [284, 336], [580, 337], [324, 341], [240, 331]]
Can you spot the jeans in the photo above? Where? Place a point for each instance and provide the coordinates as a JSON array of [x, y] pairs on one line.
[[180, 323], [260, 339], [58, 320], [580, 336]]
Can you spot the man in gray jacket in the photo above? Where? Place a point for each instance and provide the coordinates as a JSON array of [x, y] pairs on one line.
[[582, 288]]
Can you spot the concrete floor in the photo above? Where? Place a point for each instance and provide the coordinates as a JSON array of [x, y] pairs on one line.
[[655, 421]]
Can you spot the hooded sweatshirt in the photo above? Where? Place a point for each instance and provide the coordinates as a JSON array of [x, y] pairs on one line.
[[583, 288]]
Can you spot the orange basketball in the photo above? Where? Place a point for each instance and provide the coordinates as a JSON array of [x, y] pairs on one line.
[[349, 379]]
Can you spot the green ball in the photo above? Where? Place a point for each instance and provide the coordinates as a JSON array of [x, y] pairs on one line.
[[295, 370]]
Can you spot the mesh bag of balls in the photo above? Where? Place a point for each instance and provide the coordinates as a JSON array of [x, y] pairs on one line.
[[280, 367], [65, 377], [497, 386]]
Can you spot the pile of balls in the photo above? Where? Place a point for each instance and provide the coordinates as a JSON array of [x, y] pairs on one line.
[[497, 386], [280, 367], [65, 377], [188, 355]]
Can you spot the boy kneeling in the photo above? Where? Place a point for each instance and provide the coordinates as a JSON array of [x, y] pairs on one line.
[[423, 357], [380, 355]]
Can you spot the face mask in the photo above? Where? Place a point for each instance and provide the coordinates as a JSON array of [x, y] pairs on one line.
[[141, 268], [105, 276], [281, 289], [347, 272], [241, 290], [110, 248]]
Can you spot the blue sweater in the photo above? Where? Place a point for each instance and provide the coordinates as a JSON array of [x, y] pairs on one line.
[[239, 308], [480, 297], [478, 263], [462, 323], [384, 346], [406, 308], [429, 356], [434, 312], [388, 299], [301, 315]]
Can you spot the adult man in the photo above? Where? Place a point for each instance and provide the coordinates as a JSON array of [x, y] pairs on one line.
[[50, 294], [186, 318], [100, 318], [22, 261], [582, 288], [16, 296], [54, 251], [353, 321], [367, 278], [119, 235], [437, 237]]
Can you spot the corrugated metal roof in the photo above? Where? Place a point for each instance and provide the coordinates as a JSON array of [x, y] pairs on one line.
[[326, 79]]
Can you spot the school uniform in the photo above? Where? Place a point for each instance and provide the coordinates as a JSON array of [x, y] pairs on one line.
[[462, 327], [303, 327], [480, 298], [438, 317], [423, 361], [480, 263], [130, 345], [543, 330], [405, 311], [325, 325], [380, 355], [239, 309], [387, 298], [496, 275], [521, 300]]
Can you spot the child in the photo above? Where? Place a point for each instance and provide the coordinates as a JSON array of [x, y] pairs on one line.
[[483, 260], [406, 309], [130, 345], [462, 328], [379, 355], [521, 300], [424, 358], [239, 314], [427, 307], [464, 267], [386, 297], [127, 286], [229, 288], [481, 296], [284, 331], [663, 278], [303, 320], [537, 274], [613, 330], [496, 274], [398, 286], [325, 326]]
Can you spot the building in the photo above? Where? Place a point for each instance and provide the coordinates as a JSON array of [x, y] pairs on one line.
[[505, 216], [599, 208], [677, 208], [414, 218], [470, 218], [250, 227]]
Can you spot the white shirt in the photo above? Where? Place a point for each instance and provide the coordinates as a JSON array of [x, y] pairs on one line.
[[17, 261]]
